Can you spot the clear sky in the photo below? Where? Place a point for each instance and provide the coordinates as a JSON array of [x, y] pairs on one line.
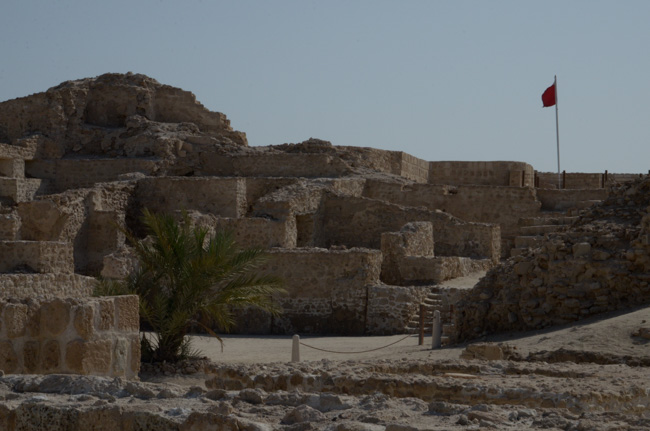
[[441, 80]]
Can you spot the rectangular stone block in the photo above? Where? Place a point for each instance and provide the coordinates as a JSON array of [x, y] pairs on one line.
[[128, 315]]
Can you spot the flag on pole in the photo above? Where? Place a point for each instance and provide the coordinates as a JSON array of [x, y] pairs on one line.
[[548, 97]]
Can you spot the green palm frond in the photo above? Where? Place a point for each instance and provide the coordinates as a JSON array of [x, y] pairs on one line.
[[185, 278]]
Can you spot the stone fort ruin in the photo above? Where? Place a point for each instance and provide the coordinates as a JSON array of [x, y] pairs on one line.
[[361, 236]]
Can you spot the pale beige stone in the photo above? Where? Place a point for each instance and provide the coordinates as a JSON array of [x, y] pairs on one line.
[[83, 321], [74, 355], [120, 357], [32, 356], [106, 314], [15, 319], [51, 356], [128, 315], [55, 316], [97, 357], [135, 355]]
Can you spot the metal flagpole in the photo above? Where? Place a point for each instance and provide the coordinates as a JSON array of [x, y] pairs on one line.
[[557, 134]]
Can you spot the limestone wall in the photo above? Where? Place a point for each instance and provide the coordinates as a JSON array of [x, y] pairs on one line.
[[58, 285], [359, 222], [273, 165], [487, 204], [9, 226], [224, 197], [21, 189], [37, 256], [326, 289], [391, 308], [97, 336], [64, 174], [559, 200], [259, 232], [482, 173]]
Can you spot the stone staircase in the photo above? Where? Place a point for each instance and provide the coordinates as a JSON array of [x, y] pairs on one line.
[[434, 301], [534, 230]]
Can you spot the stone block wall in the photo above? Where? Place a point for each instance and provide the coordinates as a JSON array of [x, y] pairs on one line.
[[411, 167], [391, 308], [225, 197], [64, 174], [559, 200], [259, 232], [20, 189], [273, 165], [45, 285], [9, 226], [38, 256], [414, 239], [359, 222], [481, 173], [97, 336], [326, 289], [487, 204]]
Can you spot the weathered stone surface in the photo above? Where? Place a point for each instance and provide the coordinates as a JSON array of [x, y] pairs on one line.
[[127, 314], [84, 321]]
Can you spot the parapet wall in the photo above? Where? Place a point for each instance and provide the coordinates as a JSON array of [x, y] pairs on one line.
[[359, 222], [273, 165], [482, 173], [97, 336]]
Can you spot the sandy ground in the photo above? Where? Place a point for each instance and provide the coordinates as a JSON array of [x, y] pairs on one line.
[[610, 335]]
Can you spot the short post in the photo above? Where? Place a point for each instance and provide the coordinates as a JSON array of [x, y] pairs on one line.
[[421, 338], [436, 332], [564, 179], [295, 351]]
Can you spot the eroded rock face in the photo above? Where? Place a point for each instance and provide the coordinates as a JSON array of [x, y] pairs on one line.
[[112, 115]]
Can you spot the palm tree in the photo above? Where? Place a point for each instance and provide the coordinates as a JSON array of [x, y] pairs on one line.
[[186, 278]]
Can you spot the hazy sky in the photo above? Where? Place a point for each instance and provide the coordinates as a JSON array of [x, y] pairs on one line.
[[441, 80]]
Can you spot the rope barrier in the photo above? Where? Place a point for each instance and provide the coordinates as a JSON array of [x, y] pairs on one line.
[[352, 353]]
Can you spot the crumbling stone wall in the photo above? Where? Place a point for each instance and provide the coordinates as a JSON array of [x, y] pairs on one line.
[[359, 222], [96, 336], [391, 308], [602, 263], [65, 174], [487, 204], [36, 256], [224, 197], [326, 289]]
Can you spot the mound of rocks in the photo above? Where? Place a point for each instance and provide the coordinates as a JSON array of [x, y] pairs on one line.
[[600, 263]]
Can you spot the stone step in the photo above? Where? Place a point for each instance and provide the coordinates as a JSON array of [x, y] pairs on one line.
[[540, 229], [528, 241], [545, 221]]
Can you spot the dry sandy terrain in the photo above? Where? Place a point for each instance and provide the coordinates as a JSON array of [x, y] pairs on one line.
[[408, 387]]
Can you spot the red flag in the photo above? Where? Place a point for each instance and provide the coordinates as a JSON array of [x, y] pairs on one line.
[[548, 97]]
